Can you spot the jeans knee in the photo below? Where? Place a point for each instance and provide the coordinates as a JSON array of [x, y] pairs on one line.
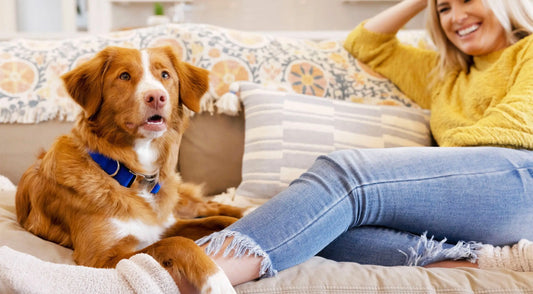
[[341, 160], [338, 157], [335, 167]]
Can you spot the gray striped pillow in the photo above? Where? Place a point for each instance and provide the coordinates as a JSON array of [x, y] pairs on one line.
[[285, 132]]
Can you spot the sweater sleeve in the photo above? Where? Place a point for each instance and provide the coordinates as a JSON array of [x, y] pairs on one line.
[[508, 123], [406, 66]]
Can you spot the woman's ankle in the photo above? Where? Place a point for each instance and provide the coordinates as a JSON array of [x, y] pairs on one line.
[[238, 269]]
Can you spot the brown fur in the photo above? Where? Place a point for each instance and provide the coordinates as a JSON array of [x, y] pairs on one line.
[[65, 197]]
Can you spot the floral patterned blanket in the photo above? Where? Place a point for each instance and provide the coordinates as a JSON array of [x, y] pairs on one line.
[[31, 90]]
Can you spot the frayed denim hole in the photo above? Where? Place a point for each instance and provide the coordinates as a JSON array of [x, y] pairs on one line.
[[240, 246], [429, 251]]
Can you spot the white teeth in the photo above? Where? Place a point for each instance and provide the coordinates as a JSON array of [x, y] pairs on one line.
[[468, 30]]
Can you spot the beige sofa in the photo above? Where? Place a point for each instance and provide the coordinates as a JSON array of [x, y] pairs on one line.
[[231, 151]]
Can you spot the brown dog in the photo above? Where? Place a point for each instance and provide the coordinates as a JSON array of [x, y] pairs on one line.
[[109, 189]]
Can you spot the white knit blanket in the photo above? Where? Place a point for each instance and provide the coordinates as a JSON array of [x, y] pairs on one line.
[[23, 273]]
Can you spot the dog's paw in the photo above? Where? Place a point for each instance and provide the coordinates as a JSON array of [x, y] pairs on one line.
[[218, 284]]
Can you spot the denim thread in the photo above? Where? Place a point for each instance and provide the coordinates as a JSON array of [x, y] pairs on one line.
[[241, 245]]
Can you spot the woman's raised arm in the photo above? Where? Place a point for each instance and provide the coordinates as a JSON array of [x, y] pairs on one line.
[[394, 18]]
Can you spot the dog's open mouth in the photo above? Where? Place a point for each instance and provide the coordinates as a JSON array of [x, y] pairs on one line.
[[155, 119], [155, 123]]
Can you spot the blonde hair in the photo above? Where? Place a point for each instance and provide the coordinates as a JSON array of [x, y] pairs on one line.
[[516, 17]]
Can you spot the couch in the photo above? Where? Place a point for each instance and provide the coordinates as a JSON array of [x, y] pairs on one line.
[[275, 103]]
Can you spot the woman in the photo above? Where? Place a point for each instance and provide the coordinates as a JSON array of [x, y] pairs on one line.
[[375, 205]]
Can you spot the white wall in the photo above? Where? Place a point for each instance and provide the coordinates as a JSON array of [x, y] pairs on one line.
[[39, 16], [264, 14], [288, 14], [59, 16], [8, 19]]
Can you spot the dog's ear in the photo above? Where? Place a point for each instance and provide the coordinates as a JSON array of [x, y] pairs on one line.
[[193, 81], [85, 82]]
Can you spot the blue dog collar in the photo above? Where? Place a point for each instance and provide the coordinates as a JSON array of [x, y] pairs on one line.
[[122, 174]]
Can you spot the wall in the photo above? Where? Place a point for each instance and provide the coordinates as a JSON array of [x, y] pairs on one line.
[[39, 16], [289, 15], [264, 14], [31, 17]]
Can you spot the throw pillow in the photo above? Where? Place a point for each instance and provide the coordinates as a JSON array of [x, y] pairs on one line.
[[284, 133]]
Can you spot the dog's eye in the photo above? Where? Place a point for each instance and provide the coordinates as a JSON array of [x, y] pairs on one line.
[[165, 75], [125, 76]]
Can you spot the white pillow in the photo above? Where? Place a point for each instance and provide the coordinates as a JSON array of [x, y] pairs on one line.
[[285, 133]]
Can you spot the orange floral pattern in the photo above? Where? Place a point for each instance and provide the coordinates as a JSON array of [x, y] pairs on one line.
[[16, 77], [31, 89], [224, 73], [308, 79]]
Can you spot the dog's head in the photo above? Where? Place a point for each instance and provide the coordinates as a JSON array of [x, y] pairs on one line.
[[137, 92]]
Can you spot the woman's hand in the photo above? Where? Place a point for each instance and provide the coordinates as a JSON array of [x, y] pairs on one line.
[[395, 17]]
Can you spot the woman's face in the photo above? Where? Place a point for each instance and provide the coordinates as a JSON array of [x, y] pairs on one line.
[[471, 27]]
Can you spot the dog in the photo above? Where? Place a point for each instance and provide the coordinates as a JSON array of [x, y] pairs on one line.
[[109, 189]]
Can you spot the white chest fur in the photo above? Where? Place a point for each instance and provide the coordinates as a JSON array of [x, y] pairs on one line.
[[145, 233], [146, 154]]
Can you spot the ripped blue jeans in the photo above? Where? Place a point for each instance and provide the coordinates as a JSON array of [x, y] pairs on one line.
[[373, 206]]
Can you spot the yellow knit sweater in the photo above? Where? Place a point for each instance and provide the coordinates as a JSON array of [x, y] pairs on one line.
[[492, 105]]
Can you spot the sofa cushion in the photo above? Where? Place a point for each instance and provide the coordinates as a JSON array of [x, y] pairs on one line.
[[16, 237], [284, 133], [317, 275], [211, 152], [23, 142]]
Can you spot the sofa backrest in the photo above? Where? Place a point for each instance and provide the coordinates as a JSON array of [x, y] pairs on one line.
[[34, 107]]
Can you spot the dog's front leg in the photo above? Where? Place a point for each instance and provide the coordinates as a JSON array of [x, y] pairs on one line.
[[181, 257], [187, 263]]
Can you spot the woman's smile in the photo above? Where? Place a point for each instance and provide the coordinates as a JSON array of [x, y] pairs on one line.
[[468, 30]]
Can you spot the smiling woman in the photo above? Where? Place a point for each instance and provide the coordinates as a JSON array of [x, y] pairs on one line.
[[454, 26], [362, 204]]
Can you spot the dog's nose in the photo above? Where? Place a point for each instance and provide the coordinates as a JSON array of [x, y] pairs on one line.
[[155, 98]]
